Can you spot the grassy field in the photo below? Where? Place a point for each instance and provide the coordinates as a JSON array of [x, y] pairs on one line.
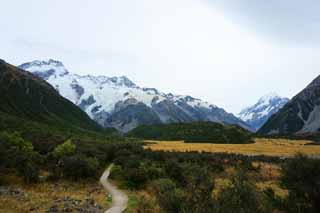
[[270, 147]]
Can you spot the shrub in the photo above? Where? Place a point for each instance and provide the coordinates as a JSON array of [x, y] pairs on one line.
[[198, 189], [30, 172], [301, 176], [65, 149], [79, 166], [170, 198], [241, 197]]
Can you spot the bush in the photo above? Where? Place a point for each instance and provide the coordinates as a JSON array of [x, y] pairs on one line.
[[19, 154], [198, 189], [30, 172], [170, 198], [301, 176], [79, 166], [135, 177], [242, 197]]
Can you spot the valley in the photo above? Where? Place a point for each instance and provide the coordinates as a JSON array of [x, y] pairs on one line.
[[52, 155], [148, 106]]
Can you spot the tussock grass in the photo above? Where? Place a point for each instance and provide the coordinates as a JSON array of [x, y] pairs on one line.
[[261, 146]]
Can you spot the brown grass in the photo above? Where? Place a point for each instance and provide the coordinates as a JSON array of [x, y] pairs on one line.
[[42, 195], [271, 147]]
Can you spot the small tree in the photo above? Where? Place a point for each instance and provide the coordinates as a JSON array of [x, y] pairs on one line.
[[65, 149]]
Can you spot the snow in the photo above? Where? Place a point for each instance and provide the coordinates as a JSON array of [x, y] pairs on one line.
[[265, 107], [106, 91]]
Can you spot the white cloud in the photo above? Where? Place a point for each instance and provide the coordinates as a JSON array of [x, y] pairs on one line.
[[180, 46]]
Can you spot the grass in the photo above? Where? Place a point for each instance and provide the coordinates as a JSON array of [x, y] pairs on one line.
[[261, 146], [132, 202], [41, 196]]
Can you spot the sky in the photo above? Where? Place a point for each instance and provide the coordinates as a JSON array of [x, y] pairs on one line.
[[227, 52]]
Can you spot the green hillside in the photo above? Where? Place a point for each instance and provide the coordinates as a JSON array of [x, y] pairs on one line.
[[32, 106], [193, 132]]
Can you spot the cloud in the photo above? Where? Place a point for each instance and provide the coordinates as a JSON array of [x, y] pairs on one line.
[[291, 22]]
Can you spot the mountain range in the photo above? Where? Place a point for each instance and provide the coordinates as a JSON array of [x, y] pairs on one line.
[[27, 101], [257, 114], [118, 102], [300, 115]]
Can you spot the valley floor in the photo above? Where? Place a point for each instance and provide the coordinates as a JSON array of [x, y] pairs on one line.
[[269, 147]]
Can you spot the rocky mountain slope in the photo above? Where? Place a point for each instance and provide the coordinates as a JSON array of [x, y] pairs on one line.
[[120, 103], [300, 115], [257, 114], [26, 99]]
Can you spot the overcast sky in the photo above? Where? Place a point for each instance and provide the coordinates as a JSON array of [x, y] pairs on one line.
[[228, 52]]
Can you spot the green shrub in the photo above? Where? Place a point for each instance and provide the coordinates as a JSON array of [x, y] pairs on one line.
[[196, 132], [170, 198], [79, 166], [242, 197], [65, 149]]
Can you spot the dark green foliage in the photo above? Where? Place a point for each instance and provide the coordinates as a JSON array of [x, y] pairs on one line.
[[242, 197], [301, 176], [78, 166], [18, 153], [170, 198], [175, 171], [193, 132], [198, 189]]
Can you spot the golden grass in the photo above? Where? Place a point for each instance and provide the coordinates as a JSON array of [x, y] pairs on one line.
[[42, 195], [270, 147]]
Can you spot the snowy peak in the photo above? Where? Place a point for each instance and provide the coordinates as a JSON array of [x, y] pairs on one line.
[[300, 116], [269, 97], [259, 113], [41, 65], [118, 102], [45, 69]]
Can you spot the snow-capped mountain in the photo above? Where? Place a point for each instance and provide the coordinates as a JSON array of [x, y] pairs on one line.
[[260, 112], [120, 103], [301, 115]]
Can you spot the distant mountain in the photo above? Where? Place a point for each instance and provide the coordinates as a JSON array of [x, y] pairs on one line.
[[120, 103], [300, 115], [260, 112], [28, 100]]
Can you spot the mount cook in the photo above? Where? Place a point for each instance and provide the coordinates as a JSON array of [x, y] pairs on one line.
[[118, 102]]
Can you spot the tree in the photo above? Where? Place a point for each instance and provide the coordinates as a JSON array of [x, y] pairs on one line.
[[65, 149]]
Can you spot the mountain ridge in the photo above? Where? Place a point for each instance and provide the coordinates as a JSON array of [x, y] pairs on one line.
[[25, 96], [118, 102], [257, 114], [301, 115]]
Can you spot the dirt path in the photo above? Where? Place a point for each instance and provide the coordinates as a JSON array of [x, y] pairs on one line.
[[119, 198]]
